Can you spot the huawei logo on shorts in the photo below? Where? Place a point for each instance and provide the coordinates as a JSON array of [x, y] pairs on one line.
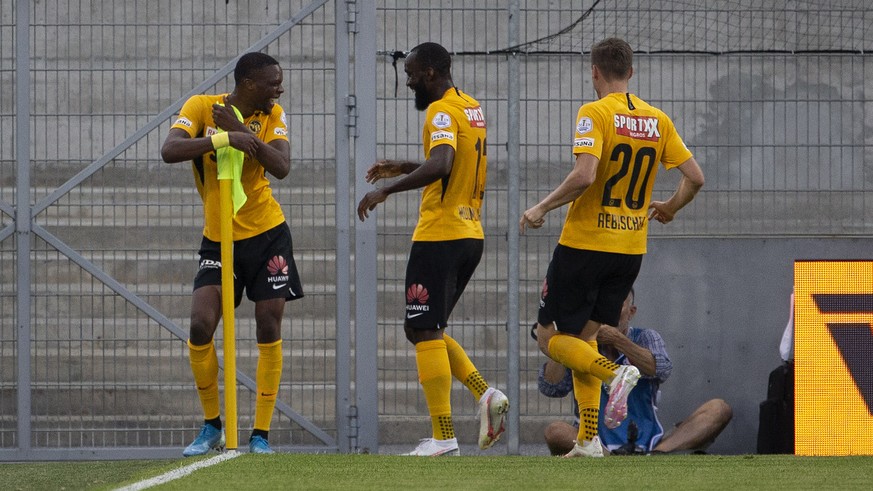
[[277, 265], [417, 293]]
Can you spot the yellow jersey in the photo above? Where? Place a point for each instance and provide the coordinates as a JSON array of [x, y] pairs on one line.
[[450, 207], [630, 138], [261, 211]]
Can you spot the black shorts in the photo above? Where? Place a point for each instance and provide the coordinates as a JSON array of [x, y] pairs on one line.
[[583, 285], [436, 275], [263, 265]]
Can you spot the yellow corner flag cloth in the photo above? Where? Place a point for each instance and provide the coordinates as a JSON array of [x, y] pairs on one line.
[[230, 164]]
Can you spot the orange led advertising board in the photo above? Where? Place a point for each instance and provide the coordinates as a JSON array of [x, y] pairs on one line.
[[833, 356]]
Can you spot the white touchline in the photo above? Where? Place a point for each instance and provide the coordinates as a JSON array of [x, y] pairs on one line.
[[180, 472]]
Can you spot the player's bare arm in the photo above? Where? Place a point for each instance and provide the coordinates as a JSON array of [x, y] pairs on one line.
[[180, 147], [577, 181], [436, 167], [690, 183], [386, 169], [638, 356], [275, 156]]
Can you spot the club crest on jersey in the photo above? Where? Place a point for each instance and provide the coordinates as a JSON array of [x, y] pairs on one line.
[[475, 116], [584, 125], [637, 127], [255, 126], [441, 120]]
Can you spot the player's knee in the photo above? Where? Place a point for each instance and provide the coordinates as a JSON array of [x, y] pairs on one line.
[[268, 333], [200, 331], [720, 410], [557, 439], [544, 335]]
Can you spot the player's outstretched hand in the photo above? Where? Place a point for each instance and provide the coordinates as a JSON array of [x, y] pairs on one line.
[[369, 202], [658, 210], [383, 169], [533, 218]]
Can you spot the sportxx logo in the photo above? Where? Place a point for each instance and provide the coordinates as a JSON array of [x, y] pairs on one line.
[[637, 127], [475, 116], [417, 293], [854, 340]]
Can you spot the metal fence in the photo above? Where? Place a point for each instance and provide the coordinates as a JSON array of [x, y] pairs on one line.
[[772, 98], [98, 237], [97, 274]]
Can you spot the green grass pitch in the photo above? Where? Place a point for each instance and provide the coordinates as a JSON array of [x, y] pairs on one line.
[[347, 472]]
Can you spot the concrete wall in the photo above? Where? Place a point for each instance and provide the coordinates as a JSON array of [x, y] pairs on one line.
[[721, 306]]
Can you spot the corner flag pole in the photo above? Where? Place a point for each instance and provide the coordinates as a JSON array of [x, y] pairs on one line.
[[227, 311]]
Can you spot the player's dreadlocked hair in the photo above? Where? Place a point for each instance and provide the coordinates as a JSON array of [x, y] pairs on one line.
[[251, 62], [432, 55]]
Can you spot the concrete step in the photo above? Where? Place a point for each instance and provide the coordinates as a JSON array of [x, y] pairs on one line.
[[128, 429], [75, 296], [54, 173], [127, 361], [157, 399], [404, 398]]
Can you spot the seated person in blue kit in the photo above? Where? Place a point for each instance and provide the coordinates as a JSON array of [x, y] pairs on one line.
[[641, 432]]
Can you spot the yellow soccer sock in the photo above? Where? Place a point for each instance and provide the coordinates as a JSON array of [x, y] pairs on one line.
[[463, 369], [586, 388], [204, 366], [268, 375], [435, 377], [572, 352], [589, 410], [603, 369]]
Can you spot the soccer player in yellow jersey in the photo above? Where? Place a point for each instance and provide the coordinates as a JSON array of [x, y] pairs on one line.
[[263, 253], [619, 142], [446, 245]]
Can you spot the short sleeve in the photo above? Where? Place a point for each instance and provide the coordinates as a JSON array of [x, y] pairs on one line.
[[440, 128], [277, 125], [675, 151], [191, 116], [588, 136]]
